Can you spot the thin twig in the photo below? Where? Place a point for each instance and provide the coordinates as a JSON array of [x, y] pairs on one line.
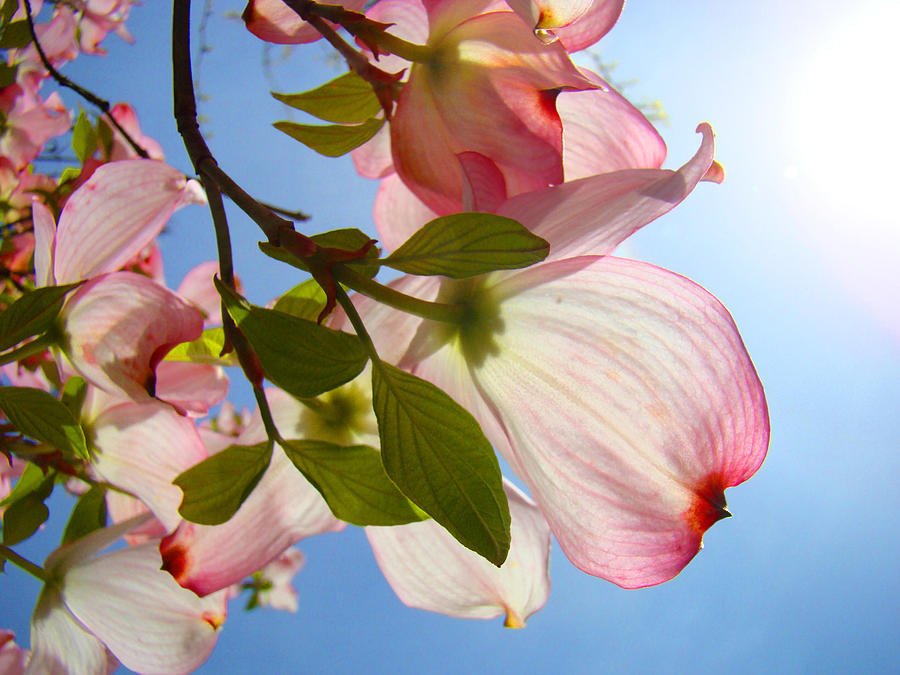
[[287, 213]]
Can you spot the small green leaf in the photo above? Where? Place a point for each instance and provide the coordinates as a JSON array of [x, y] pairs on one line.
[[353, 482], [348, 99], [348, 239], [215, 488], [465, 244], [436, 453], [31, 314], [73, 394], [15, 35], [88, 515], [205, 349], [31, 477], [283, 255], [304, 300], [104, 136], [7, 10], [333, 140], [84, 138], [8, 74], [351, 239], [38, 415], [300, 356], [25, 515], [68, 174]]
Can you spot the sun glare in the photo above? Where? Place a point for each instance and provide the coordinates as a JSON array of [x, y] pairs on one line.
[[844, 138]]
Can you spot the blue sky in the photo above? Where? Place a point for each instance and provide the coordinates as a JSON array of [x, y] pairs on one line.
[[800, 243]]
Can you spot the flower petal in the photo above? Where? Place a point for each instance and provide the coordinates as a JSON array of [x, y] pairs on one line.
[[398, 213], [592, 216], [149, 622], [120, 326], [429, 569], [115, 214], [631, 404], [588, 28], [273, 21], [198, 288], [142, 447], [191, 387], [59, 644], [282, 509], [603, 132]]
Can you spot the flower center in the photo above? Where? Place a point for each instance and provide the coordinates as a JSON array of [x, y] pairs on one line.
[[477, 334]]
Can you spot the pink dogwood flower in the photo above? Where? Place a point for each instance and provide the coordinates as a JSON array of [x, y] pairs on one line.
[[278, 591], [29, 122], [117, 325], [12, 656], [482, 84], [123, 602], [601, 131], [620, 393]]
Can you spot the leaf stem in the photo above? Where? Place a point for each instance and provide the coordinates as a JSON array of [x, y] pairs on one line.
[[357, 24], [30, 349], [358, 325], [266, 413], [23, 563], [427, 309]]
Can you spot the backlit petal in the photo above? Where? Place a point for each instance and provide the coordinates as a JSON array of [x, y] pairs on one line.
[[149, 622], [629, 402], [603, 132], [115, 214], [429, 569], [593, 215], [282, 509], [120, 326], [142, 447]]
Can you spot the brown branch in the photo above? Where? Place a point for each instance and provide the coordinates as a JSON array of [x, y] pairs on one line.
[[186, 118]]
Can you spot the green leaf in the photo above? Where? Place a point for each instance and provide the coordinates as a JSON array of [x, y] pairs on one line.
[[348, 99], [436, 453], [7, 10], [215, 488], [70, 173], [351, 239], [15, 35], [304, 300], [38, 415], [332, 140], [105, 136], [299, 356], [8, 74], [353, 482], [31, 477], [84, 138], [88, 515], [465, 244], [283, 255], [205, 349], [27, 513], [31, 314], [73, 394]]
